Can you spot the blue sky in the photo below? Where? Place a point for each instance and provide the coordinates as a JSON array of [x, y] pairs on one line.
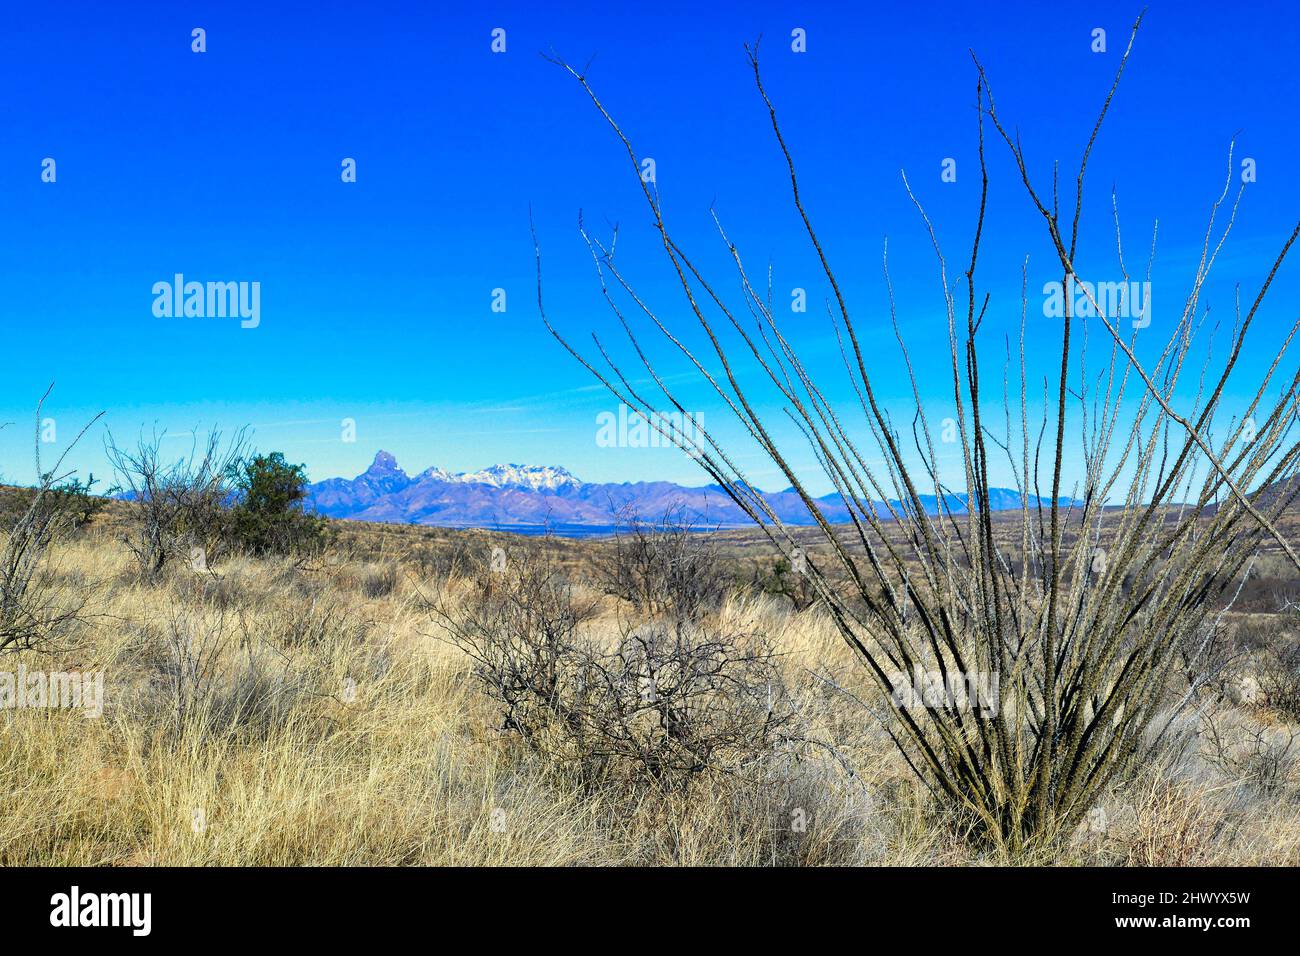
[[376, 295]]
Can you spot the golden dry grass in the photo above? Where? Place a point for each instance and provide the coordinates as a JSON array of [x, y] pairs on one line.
[[340, 730]]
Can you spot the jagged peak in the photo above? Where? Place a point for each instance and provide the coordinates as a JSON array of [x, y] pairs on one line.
[[384, 466]]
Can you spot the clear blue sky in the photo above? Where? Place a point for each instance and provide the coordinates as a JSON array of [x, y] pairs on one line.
[[376, 295]]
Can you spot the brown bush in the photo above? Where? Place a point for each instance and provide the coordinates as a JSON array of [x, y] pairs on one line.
[[671, 702], [667, 568]]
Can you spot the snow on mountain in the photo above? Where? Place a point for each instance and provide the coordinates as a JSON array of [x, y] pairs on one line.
[[541, 497], [531, 477], [385, 471]]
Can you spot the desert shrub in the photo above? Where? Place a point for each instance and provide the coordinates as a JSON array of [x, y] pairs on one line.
[[1243, 750], [1278, 674], [32, 612], [781, 579], [73, 499], [77, 500], [268, 516], [1124, 566], [1210, 659], [177, 507], [679, 700], [195, 645], [519, 626], [666, 568], [670, 702]]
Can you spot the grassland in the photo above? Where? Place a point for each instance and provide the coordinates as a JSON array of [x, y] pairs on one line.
[[309, 712]]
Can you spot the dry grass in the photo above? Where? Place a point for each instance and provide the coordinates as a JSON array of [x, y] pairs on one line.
[[333, 727]]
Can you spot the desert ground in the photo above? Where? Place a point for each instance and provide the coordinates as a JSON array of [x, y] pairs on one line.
[[317, 711]]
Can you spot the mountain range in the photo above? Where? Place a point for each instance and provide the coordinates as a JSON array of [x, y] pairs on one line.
[[538, 498]]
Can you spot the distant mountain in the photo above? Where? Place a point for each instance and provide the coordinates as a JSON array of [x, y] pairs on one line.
[[526, 477], [533, 498], [1266, 498]]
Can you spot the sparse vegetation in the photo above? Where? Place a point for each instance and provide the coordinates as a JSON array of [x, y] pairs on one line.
[[311, 723], [1279, 677], [667, 568], [214, 501], [282, 689]]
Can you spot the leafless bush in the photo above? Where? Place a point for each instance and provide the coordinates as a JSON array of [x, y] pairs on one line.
[[670, 702], [32, 614], [195, 646], [519, 625], [1083, 604], [1278, 671], [677, 700], [177, 505], [1259, 755], [666, 568]]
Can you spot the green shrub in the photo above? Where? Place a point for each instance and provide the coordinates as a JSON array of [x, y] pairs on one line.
[[269, 516], [73, 502]]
